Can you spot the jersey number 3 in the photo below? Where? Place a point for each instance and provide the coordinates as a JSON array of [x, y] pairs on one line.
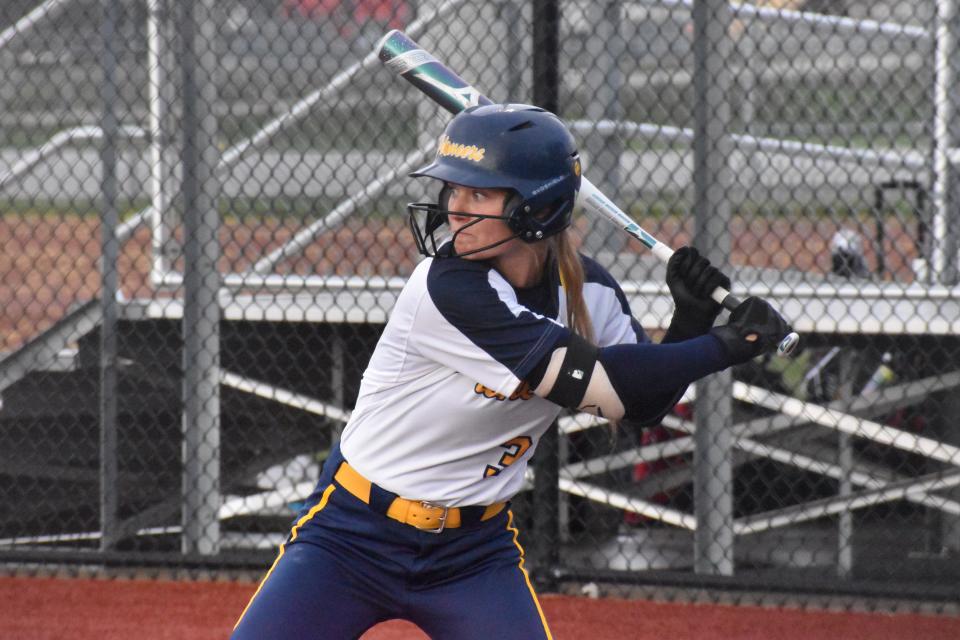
[[514, 451]]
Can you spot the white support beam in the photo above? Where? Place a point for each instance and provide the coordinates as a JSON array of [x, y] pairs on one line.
[[628, 503], [61, 140], [684, 444], [44, 11], [284, 396], [846, 423], [891, 397], [890, 158], [840, 25], [832, 506]]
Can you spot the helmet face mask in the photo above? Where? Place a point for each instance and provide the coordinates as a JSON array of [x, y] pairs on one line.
[[522, 149], [428, 220]]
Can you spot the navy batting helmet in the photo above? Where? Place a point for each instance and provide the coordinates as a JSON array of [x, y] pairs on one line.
[[517, 147]]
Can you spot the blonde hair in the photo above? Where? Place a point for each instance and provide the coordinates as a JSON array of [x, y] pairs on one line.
[[572, 279]]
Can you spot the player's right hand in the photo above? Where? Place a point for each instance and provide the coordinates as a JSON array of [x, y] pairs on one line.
[[754, 327]]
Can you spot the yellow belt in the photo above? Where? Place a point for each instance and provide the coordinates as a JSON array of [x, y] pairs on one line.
[[416, 513]]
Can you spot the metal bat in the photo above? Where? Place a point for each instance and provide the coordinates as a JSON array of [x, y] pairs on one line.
[[406, 58]]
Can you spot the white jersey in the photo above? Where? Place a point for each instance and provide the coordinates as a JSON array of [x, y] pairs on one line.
[[444, 414]]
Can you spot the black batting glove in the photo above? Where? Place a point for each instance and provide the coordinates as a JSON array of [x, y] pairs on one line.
[[754, 327], [691, 279]]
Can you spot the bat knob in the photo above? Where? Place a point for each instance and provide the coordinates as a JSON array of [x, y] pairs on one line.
[[788, 344]]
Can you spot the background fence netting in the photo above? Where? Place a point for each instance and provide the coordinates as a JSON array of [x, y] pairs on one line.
[[203, 233]]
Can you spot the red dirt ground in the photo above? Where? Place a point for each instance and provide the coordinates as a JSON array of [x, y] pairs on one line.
[[48, 263], [84, 609]]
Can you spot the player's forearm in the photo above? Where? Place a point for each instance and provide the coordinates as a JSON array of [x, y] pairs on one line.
[[632, 381]]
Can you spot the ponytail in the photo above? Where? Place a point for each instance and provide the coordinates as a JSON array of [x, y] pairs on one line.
[[572, 279]]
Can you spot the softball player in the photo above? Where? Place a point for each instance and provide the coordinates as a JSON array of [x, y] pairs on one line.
[[502, 327]]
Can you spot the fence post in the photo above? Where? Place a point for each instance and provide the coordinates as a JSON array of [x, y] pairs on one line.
[[162, 97], [604, 150], [945, 136], [201, 310], [546, 494], [108, 269], [713, 473]]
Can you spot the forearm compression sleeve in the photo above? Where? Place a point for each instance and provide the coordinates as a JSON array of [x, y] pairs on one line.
[[648, 376]]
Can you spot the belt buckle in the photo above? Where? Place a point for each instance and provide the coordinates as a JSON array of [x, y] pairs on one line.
[[443, 518]]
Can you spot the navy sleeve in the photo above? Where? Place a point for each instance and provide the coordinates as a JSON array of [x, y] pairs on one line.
[[650, 378], [484, 308]]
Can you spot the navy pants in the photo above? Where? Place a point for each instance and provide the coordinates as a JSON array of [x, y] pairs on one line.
[[346, 568]]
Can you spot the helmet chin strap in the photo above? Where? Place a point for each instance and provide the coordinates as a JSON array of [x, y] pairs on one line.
[[453, 241]]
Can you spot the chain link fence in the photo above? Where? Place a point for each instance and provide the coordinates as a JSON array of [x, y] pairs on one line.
[[204, 232]]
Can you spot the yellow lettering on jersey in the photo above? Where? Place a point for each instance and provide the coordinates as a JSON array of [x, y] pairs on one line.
[[488, 392], [457, 150], [523, 392], [515, 449]]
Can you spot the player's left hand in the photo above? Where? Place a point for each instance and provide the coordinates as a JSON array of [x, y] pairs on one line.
[[691, 279], [754, 327]]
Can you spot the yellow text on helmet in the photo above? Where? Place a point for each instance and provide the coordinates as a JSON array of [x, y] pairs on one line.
[[457, 150]]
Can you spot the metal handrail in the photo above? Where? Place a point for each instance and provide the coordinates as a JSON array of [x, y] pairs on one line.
[[838, 24], [22, 26], [59, 140]]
